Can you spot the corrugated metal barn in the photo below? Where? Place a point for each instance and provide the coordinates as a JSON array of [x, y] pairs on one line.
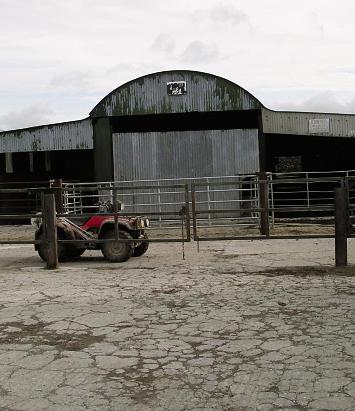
[[178, 124]]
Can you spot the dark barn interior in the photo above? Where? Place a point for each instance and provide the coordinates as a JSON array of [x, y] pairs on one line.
[[213, 120], [309, 153], [69, 165], [35, 169]]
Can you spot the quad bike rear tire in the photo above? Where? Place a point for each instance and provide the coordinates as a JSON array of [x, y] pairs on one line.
[[141, 248], [114, 251], [66, 252], [73, 252], [42, 248]]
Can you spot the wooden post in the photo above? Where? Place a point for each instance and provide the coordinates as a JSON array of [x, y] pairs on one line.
[[194, 215], [50, 230], [264, 204], [349, 226], [58, 193], [341, 227], [187, 207]]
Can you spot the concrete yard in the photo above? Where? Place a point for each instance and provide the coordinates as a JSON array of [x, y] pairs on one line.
[[237, 326]]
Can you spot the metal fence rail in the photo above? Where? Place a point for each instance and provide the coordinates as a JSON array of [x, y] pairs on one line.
[[306, 189], [286, 191], [20, 198], [163, 194], [264, 209], [53, 219], [91, 196], [251, 207]]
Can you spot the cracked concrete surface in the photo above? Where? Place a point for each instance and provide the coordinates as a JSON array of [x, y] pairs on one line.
[[238, 326]]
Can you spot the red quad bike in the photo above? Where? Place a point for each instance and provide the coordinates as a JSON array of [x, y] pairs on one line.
[[100, 227]]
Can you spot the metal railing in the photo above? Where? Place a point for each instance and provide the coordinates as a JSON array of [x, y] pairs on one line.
[[162, 195], [21, 197], [306, 189], [264, 210], [286, 191], [256, 211], [92, 195]]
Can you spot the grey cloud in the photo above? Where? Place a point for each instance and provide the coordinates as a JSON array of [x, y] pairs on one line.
[[227, 13], [72, 81], [323, 102], [132, 68], [33, 115], [163, 43], [122, 67], [342, 70], [198, 51], [222, 13], [317, 25]]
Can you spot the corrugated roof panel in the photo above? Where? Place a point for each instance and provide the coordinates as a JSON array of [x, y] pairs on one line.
[[150, 95], [321, 124], [74, 135]]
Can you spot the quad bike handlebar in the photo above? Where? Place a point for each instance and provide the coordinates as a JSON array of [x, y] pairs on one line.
[[109, 207]]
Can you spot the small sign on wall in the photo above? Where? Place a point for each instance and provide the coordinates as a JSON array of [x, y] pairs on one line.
[[176, 88], [318, 125]]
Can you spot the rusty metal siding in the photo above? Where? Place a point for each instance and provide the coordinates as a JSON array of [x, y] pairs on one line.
[[74, 135], [148, 95], [283, 122], [179, 154]]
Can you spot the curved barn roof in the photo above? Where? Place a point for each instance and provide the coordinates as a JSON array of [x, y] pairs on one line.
[[149, 95]]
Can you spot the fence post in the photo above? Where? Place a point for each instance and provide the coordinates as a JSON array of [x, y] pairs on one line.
[[264, 204], [341, 226], [58, 193], [194, 216], [187, 207], [347, 186], [50, 230]]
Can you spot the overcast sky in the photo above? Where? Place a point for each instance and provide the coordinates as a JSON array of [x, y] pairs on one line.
[[60, 57]]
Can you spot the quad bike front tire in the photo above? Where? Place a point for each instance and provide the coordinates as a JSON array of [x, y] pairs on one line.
[[141, 248], [116, 251]]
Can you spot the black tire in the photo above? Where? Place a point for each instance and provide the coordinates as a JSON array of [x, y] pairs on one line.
[[72, 252], [66, 252], [117, 252], [141, 248], [42, 248]]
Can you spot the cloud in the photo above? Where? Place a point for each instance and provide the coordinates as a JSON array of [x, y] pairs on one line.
[[74, 51], [71, 81], [317, 25], [163, 43], [227, 13], [198, 51], [132, 69], [122, 67], [325, 102], [221, 14], [33, 115]]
